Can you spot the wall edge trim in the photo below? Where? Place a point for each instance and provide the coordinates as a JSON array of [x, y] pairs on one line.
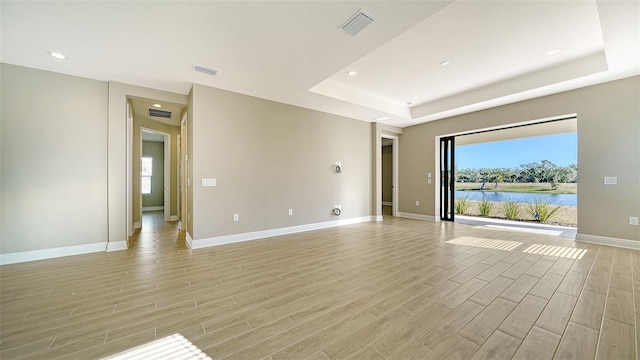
[[189, 240], [52, 253], [261, 234], [416, 216], [609, 241], [116, 246]]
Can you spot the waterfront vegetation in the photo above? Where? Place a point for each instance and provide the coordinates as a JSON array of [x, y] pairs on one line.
[[485, 207], [564, 215]]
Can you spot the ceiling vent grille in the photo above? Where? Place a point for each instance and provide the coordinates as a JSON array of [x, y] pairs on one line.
[[356, 23], [159, 113], [205, 70]]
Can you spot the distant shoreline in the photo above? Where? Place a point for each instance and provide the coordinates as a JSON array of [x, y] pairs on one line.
[[533, 188]]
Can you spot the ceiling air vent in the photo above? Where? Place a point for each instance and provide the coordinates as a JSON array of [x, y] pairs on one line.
[[356, 23], [205, 70], [160, 113]]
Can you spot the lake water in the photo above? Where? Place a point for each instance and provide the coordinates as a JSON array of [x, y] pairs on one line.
[[555, 199]]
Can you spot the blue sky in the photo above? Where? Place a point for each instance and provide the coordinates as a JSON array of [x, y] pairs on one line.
[[561, 149]]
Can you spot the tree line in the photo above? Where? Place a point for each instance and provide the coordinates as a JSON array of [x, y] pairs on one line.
[[542, 172]]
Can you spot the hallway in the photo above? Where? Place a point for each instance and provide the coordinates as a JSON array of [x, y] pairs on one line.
[[157, 235]]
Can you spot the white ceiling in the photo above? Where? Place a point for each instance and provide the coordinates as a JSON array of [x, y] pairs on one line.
[[293, 52]]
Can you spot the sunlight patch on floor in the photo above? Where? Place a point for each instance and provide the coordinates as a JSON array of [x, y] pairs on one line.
[[486, 243], [559, 251], [173, 347]]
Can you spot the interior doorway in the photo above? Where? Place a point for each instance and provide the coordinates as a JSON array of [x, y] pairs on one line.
[[155, 178], [389, 174]]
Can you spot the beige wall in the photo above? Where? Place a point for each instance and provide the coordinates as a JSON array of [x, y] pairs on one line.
[[387, 173], [54, 160], [154, 150], [608, 145], [268, 157]]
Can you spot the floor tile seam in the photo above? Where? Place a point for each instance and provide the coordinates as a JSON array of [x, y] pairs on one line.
[[376, 320], [74, 326], [315, 333], [496, 329], [295, 325], [260, 341], [606, 301], [543, 329], [636, 308], [534, 322], [65, 356]]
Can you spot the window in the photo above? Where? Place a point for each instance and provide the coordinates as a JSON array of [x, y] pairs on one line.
[[146, 172]]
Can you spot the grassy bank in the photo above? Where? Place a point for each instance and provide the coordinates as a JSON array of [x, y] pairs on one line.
[[534, 188], [565, 216]]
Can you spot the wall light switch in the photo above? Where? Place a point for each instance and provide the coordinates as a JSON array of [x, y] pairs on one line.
[[208, 182], [236, 217], [429, 175], [610, 180], [417, 203], [428, 181], [633, 220], [290, 212]]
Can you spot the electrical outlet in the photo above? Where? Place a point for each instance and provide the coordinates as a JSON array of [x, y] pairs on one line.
[[290, 212], [208, 182], [236, 217], [417, 203], [633, 220]]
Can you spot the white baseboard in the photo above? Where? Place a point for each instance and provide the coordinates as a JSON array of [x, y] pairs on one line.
[[153, 208], [604, 240], [189, 240], [136, 225], [173, 218], [387, 203], [416, 216], [378, 218], [230, 239], [116, 246], [24, 256]]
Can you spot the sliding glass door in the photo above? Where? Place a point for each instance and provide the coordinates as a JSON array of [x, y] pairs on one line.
[[447, 178]]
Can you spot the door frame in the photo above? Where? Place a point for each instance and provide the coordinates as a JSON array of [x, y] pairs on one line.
[[447, 150], [394, 173]]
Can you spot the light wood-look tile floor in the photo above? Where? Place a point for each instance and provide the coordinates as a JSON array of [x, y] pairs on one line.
[[397, 289]]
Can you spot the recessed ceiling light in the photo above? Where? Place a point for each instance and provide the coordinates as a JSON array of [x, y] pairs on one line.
[[383, 118], [445, 63], [554, 51], [157, 105], [352, 73], [414, 97], [409, 103], [57, 55]]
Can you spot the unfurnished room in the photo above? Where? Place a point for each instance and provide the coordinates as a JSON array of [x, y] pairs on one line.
[[320, 180]]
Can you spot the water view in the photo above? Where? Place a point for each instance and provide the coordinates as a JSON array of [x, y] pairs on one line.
[[555, 199]]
